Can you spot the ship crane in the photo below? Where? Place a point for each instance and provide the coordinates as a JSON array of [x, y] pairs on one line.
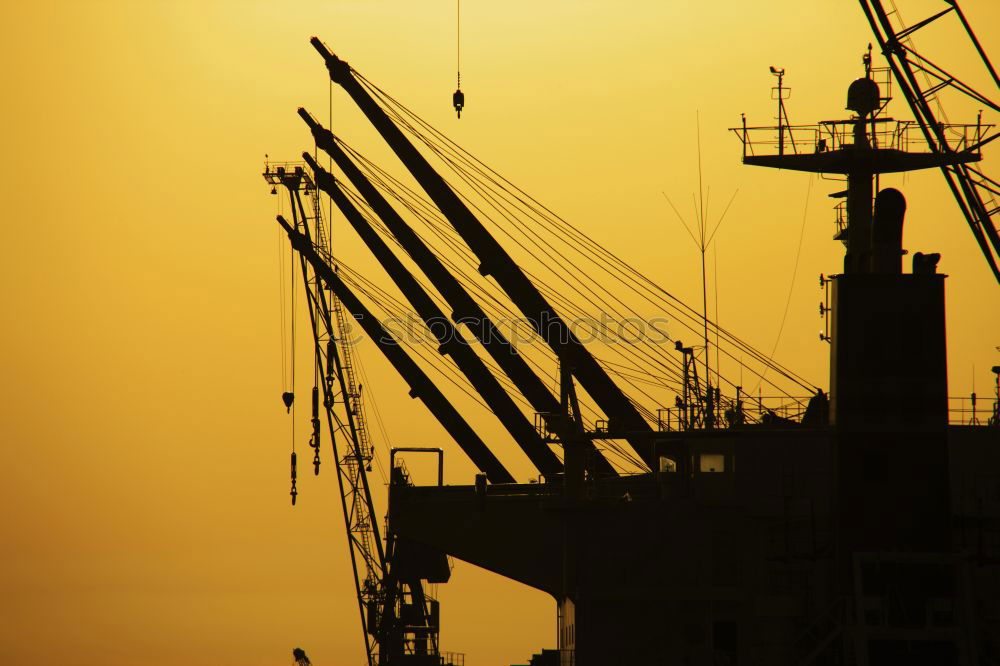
[[497, 263], [399, 618], [467, 310], [531, 297], [922, 81], [658, 529], [450, 339]]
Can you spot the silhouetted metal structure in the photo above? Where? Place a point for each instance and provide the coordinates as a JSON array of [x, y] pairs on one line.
[[299, 655], [922, 82], [397, 616], [863, 529]]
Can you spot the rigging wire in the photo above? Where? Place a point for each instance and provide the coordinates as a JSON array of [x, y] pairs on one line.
[[795, 270], [603, 266], [281, 308], [657, 379], [628, 272], [291, 284], [294, 491], [458, 271], [360, 204], [554, 296], [392, 307], [511, 205], [378, 296]]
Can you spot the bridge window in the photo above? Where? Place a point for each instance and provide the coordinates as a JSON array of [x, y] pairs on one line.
[[711, 462]]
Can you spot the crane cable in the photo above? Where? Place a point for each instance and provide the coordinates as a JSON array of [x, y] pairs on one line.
[[399, 309], [466, 276], [514, 204], [657, 380], [289, 397], [575, 311], [580, 238], [791, 282], [392, 307], [564, 303], [287, 345], [557, 225], [458, 97]]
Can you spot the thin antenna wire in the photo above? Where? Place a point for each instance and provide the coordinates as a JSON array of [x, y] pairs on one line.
[[791, 285], [702, 241], [702, 247], [718, 322], [679, 217]]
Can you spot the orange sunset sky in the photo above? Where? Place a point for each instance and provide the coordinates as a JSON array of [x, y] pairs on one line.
[[145, 485]]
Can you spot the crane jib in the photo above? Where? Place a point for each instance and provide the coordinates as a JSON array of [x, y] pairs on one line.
[[466, 310], [523, 432], [622, 414], [420, 385]]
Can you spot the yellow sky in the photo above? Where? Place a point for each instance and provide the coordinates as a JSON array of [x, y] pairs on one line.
[[145, 450]]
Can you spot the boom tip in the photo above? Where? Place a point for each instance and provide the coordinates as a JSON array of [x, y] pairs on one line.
[[320, 46], [307, 117]]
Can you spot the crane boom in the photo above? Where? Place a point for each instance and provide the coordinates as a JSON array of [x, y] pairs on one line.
[[365, 545], [496, 262], [465, 309], [974, 191], [451, 341], [420, 384]]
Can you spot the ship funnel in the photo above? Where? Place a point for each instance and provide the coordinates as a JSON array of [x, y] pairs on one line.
[[887, 232]]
